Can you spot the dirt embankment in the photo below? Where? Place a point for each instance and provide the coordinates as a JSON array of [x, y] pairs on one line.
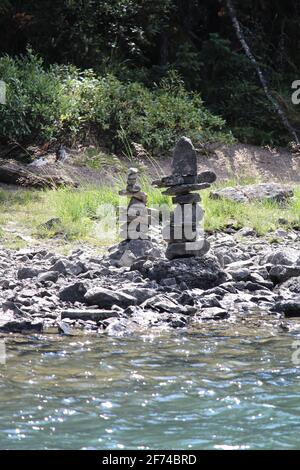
[[237, 161]]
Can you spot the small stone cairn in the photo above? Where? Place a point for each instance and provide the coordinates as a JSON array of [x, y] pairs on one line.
[[136, 220], [182, 232]]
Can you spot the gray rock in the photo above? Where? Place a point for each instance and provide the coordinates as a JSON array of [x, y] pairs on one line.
[[21, 325], [184, 158], [231, 194], [247, 232], [293, 285], [49, 276], [286, 257], [128, 252], [170, 281], [253, 286], [164, 303], [66, 267], [27, 273], [207, 176], [106, 298], [290, 307], [73, 293], [174, 180], [51, 223], [65, 328], [185, 249], [191, 198], [241, 274], [140, 293], [210, 301], [214, 313], [202, 272], [89, 314], [279, 274], [185, 188], [60, 267], [259, 192]]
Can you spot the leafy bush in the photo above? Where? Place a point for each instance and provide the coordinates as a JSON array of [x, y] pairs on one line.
[[32, 108], [64, 102]]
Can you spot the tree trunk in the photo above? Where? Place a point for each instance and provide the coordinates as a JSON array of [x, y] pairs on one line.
[[15, 173], [259, 72]]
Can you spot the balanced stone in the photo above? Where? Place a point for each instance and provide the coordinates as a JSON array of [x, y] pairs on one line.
[[136, 220], [186, 249], [174, 180], [182, 232], [207, 177], [185, 189], [191, 198], [184, 158]]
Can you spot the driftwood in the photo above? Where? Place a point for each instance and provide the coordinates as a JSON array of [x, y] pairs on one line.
[[15, 173]]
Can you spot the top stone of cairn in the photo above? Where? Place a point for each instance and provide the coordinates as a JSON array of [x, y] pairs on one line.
[[184, 158]]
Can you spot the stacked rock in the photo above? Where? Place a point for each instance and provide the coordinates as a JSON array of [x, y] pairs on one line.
[[182, 230], [136, 221]]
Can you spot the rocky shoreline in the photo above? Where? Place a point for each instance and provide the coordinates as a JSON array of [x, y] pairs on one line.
[[133, 287]]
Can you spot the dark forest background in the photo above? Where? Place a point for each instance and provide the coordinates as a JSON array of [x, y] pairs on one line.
[[190, 44]]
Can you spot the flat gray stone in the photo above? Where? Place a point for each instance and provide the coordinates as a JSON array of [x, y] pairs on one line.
[[174, 180], [106, 298], [185, 249], [185, 189], [88, 314], [49, 276], [192, 198]]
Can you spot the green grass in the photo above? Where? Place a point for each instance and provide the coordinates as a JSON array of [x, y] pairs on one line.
[[79, 215]]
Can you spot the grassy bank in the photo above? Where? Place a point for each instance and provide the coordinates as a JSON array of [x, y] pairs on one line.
[[78, 213]]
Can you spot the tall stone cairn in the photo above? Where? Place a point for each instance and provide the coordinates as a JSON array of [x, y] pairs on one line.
[[182, 231], [136, 221]]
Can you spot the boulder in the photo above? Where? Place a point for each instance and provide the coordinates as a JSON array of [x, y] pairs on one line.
[[126, 253], [255, 192], [203, 273], [279, 274], [67, 267], [289, 307], [27, 273], [73, 293], [106, 298]]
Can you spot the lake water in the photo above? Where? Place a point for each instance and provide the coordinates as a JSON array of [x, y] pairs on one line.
[[211, 389]]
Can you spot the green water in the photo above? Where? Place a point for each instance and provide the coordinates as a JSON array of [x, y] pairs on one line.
[[212, 389]]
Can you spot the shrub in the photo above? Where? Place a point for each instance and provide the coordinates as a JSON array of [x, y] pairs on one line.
[[64, 102]]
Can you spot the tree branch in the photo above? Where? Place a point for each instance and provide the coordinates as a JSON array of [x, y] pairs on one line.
[[259, 72]]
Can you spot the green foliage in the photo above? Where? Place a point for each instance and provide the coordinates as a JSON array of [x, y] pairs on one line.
[[141, 41], [33, 99], [63, 102]]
